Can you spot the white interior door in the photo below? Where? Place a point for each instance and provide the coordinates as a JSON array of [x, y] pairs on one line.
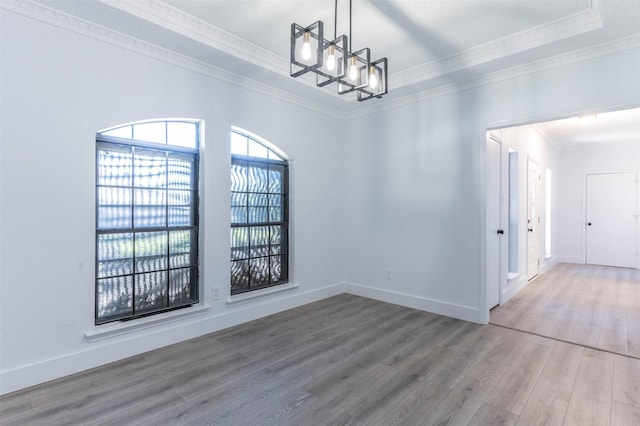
[[533, 219], [611, 216], [494, 230]]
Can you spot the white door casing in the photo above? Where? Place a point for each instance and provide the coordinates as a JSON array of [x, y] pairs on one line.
[[611, 215], [533, 219], [494, 228]]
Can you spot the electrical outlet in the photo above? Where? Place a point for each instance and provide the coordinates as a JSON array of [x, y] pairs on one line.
[[216, 293], [389, 274]]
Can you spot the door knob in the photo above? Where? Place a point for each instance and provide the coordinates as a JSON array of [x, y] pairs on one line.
[[530, 229], [589, 223], [500, 231]]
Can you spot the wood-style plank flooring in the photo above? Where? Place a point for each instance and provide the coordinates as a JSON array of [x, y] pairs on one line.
[[346, 360], [594, 306]]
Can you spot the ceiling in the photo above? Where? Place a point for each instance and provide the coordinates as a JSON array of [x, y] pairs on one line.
[[616, 127], [430, 44]]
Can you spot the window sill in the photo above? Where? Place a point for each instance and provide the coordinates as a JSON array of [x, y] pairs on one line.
[[119, 328], [512, 276], [252, 295]]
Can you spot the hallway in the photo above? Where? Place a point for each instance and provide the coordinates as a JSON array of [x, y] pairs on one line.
[[594, 306]]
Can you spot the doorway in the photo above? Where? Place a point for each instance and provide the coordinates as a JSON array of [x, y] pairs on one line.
[[571, 149], [533, 219], [514, 202], [594, 206]]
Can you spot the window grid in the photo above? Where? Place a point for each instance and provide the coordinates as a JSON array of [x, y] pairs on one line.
[[146, 228], [259, 218]]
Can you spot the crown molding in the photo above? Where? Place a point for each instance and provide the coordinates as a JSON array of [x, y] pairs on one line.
[[160, 13], [167, 16], [179, 22], [537, 127], [60, 19], [63, 20], [559, 29], [575, 56]]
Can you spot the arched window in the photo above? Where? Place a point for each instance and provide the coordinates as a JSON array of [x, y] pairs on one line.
[[259, 213], [146, 219]]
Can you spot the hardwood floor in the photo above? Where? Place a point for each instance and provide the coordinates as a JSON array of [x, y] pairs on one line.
[[346, 360], [594, 306]]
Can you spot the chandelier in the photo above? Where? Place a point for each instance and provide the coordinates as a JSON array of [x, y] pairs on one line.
[[334, 61]]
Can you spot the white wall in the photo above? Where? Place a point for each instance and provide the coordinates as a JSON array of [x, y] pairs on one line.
[[58, 89], [414, 176], [413, 183], [575, 164], [401, 189]]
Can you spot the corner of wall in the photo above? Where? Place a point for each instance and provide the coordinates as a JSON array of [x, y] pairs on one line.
[[549, 263], [466, 313], [513, 287]]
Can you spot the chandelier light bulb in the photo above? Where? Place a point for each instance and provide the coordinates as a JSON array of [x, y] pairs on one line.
[[373, 78], [335, 61], [306, 46], [353, 69], [331, 57]]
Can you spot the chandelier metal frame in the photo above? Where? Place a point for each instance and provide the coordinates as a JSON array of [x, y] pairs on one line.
[[334, 61]]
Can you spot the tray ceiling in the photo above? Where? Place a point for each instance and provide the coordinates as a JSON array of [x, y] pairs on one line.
[[430, 44]]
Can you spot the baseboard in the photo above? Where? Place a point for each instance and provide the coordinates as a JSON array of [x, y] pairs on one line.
[[109, 350], [467, 313], [513, 287], [549, 263], [520, 281], [570, 259]]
